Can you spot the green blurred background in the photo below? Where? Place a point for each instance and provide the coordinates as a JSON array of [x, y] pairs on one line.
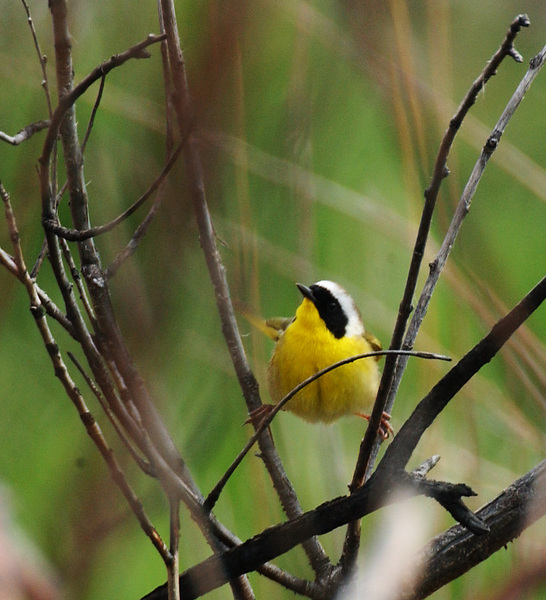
[[320, 124]]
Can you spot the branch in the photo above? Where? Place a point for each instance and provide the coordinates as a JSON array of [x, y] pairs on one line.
[[463, 207], [503, 517], [394, 366], [455, 551], [266, 421], [376, 492], [388, 387], [247, 381], [41, 57], [93, 114], [70, 387], [400, 450], [69, 98], [25, 133], [75, 235]]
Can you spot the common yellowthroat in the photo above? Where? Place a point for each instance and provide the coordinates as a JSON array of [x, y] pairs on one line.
[[327, 328]]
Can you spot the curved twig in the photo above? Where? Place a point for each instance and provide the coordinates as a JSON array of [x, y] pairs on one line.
[[25, 133], [376, 492], [75, 235], [213, 496]]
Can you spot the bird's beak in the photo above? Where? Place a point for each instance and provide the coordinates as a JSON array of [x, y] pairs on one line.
[[306, 292]]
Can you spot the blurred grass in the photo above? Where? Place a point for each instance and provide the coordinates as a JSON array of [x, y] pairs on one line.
[[320, 124]]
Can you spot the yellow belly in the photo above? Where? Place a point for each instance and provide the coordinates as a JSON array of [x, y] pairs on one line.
[[346, 390]]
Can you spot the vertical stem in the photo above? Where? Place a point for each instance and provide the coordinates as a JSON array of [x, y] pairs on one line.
[[247, 381], [173, 586]]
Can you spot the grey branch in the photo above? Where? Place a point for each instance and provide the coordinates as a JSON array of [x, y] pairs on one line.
[[25, 133], [456, 551]]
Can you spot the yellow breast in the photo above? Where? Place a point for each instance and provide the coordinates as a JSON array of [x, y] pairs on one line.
[[307, 346]]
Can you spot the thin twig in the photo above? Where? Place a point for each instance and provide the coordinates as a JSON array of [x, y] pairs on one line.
[[167, 86], [463, 207], [78, 281], [70, 387], [461, 211], [213, 496], [143, 464], [8, 262], [369, 447], [93, 114], [385, 400], [247, 381], [41, 57], [25, 133], [75, 235], [137, 51], [174, 535], [162, 452], [164, 456]]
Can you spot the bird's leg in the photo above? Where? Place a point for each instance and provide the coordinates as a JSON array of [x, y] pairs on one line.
[[385, 428], [257, 416]]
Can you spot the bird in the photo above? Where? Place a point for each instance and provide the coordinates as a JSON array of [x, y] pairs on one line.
[[327, 328]]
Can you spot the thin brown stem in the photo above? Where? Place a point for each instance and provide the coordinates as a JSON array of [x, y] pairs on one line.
[[41, 57], [74, 235], [264, 424], [70, 387], [249, 386], [392, 373], [93, 114]]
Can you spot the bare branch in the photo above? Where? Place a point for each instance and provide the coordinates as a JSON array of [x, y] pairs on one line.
[[145, 466], [25, 133], [67, 100], [506, 517], [391, 373], [70, 387], [93, 114], [212, 498], [456, 551], [75, 235], [41, 57], [247, 381], [463, 208]]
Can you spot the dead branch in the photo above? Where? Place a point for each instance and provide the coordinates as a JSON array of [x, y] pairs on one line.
[[456, 551], [379, 488], [25, 133]]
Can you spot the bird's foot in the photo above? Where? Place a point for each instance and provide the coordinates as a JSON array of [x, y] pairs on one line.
[[385, 428], [258, 415]]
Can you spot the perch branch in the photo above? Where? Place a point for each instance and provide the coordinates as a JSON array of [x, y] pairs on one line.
[[212, 498], [375, 492], [515, 509]]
